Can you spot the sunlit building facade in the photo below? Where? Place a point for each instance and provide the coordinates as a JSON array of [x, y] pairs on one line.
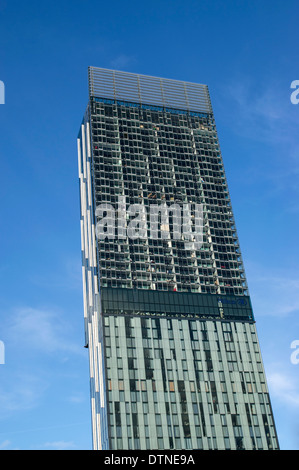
[[175, 361]]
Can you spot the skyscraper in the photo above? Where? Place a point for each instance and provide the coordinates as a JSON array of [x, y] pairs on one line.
[[174, 355]]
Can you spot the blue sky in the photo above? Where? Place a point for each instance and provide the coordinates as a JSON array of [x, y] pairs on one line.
[[246, 52]]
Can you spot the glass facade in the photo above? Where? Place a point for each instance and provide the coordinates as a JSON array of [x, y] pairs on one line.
[[184, 305], [174, 355], [185, 384]]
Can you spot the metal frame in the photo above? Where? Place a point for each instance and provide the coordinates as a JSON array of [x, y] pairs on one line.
[[143, 89]]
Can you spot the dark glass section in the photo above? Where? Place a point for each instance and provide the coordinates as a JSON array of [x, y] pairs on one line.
[[179, 304]]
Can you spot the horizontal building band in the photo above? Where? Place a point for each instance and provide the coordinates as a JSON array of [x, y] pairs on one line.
[[176, 304], [150, 107]]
